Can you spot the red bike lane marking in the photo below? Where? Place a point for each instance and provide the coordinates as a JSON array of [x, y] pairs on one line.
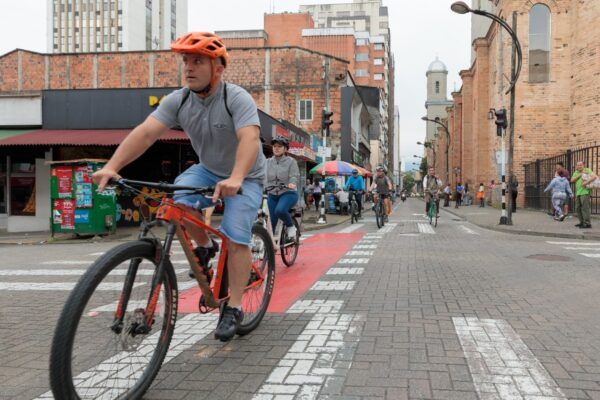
[[316, 255]]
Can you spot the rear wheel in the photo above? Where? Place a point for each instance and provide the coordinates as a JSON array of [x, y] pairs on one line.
[[289, 251], [92, 356], [255, 300]]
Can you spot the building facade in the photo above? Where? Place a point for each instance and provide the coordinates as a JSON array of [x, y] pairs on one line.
[[557, 106], [82, 26]]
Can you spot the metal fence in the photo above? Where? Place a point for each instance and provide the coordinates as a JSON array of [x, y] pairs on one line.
[[540, 172]]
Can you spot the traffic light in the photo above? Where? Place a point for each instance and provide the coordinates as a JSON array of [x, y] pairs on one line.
[[501, 121], [326, 119]]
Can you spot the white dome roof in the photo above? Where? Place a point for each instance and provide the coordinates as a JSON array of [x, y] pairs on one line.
[[437, 65]]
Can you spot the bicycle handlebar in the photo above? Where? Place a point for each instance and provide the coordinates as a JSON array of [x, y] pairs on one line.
[[166, 187], [278, 186]]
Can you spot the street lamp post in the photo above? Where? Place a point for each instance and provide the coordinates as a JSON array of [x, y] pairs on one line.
[[437, 121], [461, 7]]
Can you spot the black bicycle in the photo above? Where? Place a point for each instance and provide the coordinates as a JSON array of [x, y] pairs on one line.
[[353, 208], [380, 211]]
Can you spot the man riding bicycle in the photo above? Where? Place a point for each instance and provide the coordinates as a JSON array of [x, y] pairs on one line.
[[432, 185], [282, 169], [222, 123], [356, 184], [382, 186]]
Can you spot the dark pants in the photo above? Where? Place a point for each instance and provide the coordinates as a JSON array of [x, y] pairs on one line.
[[279, 207], [358, 198], [458, 199], [317, 198], [446, 199], [583, 205], [514, 201]]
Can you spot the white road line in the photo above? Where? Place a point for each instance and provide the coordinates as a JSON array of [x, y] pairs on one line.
[[333, 285], [353, 261], [581, 248], [425, 228], [359, 253], [365, 246], [501, 365], [590, 255], [188, 331], [88, 262], [350, 228], [97, 254], [50, 286], [387, 228], [320, 357], [316, 306], [467, 230], [72, 272], [345, 271], [575, 243]]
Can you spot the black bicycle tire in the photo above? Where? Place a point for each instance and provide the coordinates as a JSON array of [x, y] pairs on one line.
[[353, 217], [296, 246], [246, 327], [378, 216], [436, 211], [61, 379]]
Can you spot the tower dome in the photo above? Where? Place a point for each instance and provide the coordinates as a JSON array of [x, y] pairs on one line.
[[436, 65]]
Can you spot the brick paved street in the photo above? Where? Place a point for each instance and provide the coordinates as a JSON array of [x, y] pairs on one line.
[[410, 312]]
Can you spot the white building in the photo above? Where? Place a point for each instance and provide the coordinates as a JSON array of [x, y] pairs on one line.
[[437, 77], [83, 26]]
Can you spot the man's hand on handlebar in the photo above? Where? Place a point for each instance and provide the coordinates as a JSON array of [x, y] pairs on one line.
[[227, 188], [103, 176]]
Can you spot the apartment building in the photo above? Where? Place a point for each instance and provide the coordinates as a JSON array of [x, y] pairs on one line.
[[82, 26]]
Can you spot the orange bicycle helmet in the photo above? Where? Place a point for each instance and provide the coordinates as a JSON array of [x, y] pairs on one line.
[[204, 43]]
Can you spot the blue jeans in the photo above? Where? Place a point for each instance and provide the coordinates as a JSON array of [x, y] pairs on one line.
[[240, 210], [279, 207]]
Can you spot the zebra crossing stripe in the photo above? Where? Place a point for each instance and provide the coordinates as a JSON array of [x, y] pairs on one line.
[[55, 286], [359, 253], [353, 261], [350, 228], [574, 243], [345, 271], [72, 272], [425, 228], [333, 285]]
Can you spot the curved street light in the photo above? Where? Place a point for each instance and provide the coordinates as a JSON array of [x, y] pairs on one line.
[[439, 122], [431, 145], [460, 7]]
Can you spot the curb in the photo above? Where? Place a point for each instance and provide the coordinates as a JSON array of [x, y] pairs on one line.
[[525, 232]]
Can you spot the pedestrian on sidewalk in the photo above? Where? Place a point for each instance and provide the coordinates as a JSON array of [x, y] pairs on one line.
[[582, 178], [466, 200], [481, 195], [307, 192], [561, 166], [447, 192], [316, 192], [514, 191], [561, 188], [459, 194]]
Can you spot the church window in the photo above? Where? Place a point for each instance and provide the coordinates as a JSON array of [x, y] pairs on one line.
[[539, 43], [437, 87]]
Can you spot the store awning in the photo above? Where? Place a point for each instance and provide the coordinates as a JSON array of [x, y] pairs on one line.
[[79, 137]]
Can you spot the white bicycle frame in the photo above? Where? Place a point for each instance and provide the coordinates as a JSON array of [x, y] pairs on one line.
[[264, 217]]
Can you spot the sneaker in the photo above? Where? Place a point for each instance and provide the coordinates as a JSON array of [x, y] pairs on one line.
[[585, 226], [562, 217], [385, 218], [557, 218], [229, 321], [578, 225], [290, 233], [204, 255]]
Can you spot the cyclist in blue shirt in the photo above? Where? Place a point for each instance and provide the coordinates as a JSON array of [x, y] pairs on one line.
[[357, 184]]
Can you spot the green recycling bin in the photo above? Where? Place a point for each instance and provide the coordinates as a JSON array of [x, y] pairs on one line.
[[76, 206]]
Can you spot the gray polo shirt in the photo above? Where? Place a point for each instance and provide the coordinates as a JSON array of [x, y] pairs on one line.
[[210, 128]]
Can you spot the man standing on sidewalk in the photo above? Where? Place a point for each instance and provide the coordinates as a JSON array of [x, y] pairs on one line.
[[582, 177]]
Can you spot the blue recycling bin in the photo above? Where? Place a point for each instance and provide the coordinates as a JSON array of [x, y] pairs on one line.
[[331, 206]]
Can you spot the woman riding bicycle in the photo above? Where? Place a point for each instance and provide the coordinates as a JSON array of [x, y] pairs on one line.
[[282, 170]]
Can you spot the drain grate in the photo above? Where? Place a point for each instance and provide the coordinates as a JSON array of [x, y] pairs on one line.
[[548, 257]]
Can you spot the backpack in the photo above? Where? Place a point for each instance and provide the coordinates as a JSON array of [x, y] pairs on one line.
[[186, 94]]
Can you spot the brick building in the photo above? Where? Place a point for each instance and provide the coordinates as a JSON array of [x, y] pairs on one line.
[[557, 102]]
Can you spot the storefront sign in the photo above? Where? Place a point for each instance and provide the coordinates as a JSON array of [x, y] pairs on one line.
[[303, 151]]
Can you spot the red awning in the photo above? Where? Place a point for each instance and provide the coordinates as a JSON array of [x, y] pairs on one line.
[[80, 137]]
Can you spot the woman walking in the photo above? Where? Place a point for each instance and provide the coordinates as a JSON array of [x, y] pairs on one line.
[[560, 187]]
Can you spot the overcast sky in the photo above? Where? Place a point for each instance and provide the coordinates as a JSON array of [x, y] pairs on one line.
[[420, 29]]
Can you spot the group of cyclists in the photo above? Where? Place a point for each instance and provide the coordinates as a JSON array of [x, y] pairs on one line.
[[221, 121]]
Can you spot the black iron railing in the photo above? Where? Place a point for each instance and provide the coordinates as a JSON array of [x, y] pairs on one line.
[[540, 172]]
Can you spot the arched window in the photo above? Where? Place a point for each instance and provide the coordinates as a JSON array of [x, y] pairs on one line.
[[539, 43], [437, 87]]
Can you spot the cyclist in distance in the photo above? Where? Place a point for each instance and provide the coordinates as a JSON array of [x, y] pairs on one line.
[[432, 186], [382, 185], [356, 183], [282, 169], [222, 123]]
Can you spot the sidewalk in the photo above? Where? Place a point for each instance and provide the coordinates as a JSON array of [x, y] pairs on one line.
[[129, 233], [526, 222]]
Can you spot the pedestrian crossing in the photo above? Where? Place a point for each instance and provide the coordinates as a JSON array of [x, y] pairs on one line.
[[587, 249]]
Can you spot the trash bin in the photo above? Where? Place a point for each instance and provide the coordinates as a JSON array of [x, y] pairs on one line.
[[331, 206], [76, 206]]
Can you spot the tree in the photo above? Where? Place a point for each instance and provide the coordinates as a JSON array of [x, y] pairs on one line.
[[423, 167], [408, 181]]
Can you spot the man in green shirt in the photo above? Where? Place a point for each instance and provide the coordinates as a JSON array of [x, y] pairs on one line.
[[582, 177]]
